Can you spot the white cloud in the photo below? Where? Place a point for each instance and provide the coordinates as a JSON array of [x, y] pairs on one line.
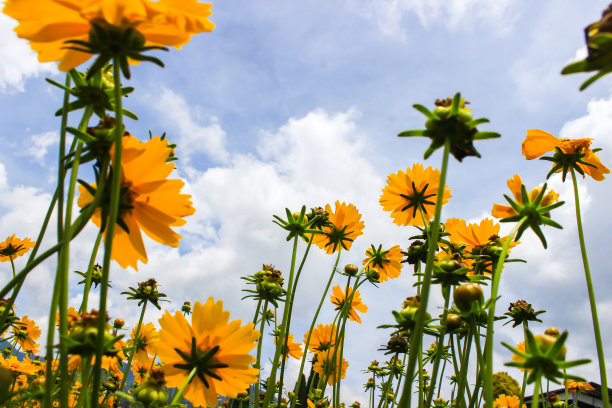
[[452, 14], [186, 123], [18, 61], [39, 145]]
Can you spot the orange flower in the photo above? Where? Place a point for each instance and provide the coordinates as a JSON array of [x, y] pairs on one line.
[[407, 193], [323, 337], [295, 349], [140, 370], [217, 348], [147, 338], [387, 263], [507, 401], [26, 333], [472, 235], [514, 184], [519, 347], [338, 298], [25, 367], [578, 386], [537, 143], [344, 226], [327, 365], [48, 24], [14, 247], [155, 203]]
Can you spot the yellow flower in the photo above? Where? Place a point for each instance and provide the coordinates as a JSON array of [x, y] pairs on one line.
[[140, 370], [338, 298], [514, 184], [577, 386], [519, 347], [344, 226], [406, 193], [327, 365], [47, 24], [26, 333], [147, 338], [295, 349], [14, 247], [507, 401], [218, 348], [16, 366], [387, 263], [154, 204], [538, 142], [323, 337]]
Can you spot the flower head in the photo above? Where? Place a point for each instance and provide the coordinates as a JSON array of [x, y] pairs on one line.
[[507, 401], [293, 349], [578, 386], [569, 154], [533, 207], [386, 262], [217, 348], [26, 332], [323, 337], [327, 365], [13, 247], [343, 226], [339, 298], [147, 338], [149, 201], [408, 193], [96, 26]]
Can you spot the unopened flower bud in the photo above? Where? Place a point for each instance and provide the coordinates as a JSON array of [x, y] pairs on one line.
[[118, 323], [552, 331], [351, 270]]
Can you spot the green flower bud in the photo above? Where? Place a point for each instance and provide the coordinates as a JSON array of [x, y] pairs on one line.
[[465, 295]]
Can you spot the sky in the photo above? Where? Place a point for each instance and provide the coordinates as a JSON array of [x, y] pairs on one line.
[[299, 103]]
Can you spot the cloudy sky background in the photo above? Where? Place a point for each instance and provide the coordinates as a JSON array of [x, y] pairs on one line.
[[298, 103]]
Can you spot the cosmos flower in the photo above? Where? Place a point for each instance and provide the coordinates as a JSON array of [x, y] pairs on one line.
[[344, 225], [26, 333], [48, 24], [295, 349], [538, 142], [327, 365], [13, 247], [386, 262], [216, 348], [514, 184], [150, 201], [507, 401], [338, 298], [578, 386], [323, 337], [147, 338], [409, 192]]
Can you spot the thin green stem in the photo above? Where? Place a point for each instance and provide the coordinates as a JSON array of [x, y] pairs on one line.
[[587, 274], [134, 346], [179, 395], [463, 373], [524, 384], [535, 400], [495, 279], [440, 344], [417, 334], [92, 262], [110, 227], [283, 331], [312, 324], [255, 395]]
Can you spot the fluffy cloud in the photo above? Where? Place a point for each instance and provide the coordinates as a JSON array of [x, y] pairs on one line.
[[18, 61]]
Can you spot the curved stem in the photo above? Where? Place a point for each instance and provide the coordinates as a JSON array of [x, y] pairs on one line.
[[417, 334], [495, 279], [587, 274]]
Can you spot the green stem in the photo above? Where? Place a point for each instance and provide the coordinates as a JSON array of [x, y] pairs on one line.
[[92, 262], [85, 369], [536, 393], [524, 385], [12, 265], [314, 321], [179, 395], [587, 274], [495, 279], [283, 331], [110, 227], [463, 373], [255, 395], [134, 346], [440, 345], [293, 291], [417, 334]]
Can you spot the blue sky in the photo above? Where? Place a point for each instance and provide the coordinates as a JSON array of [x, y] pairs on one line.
[[293, 103]]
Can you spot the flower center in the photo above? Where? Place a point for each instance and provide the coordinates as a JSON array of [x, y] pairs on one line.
[[202, 361], [417, 199]]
